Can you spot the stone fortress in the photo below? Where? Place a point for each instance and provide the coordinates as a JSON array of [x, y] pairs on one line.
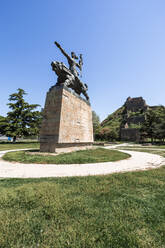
[[135, 104], [133, 117]]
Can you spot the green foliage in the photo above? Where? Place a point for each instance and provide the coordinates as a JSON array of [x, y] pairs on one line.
[[96, 124], [154, 125], [110, 127], [3, 124], [132, 114], [137, 126], [79, 157], [95, 119], [22, 120], [107, 134], [114, 117]]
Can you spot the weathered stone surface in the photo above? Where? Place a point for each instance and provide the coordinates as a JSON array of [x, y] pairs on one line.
[[135, 104], [139, 107], [67, 123], [130, 134]]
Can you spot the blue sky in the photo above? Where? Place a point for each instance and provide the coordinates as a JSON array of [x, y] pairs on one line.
[[122, 41]]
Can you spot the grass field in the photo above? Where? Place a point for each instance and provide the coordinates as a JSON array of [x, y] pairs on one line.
[[20, 145], [116, 211], [145, 147], [159, 152], [79, 157], [124, 210]]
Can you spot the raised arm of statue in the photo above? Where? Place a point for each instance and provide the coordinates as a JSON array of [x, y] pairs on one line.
[[62, 50], [80, 62], [78, 66]]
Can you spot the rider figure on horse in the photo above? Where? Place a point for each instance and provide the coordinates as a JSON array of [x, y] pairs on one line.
[[72, 80]]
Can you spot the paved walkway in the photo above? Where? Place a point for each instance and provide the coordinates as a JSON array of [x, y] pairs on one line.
[[138, 161]]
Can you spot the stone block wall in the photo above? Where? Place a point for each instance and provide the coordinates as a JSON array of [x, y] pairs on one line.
[[136, 119], [67, 123], [135, 104], [130, 134]]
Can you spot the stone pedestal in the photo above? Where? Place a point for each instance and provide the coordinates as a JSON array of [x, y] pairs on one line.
[[67, 123]]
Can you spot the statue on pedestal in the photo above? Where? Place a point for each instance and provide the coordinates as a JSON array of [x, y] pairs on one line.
[[70, 76]]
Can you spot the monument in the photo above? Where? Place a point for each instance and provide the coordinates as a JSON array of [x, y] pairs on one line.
[[67, 117]]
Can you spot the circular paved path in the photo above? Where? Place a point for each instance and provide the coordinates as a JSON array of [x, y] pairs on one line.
[[137, 161]]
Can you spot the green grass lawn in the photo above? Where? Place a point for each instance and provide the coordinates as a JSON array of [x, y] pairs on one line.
[[115, 211], [158, 146], [79, 157], [161, 146], [124, 210], [158, 152], [146, 147], [20, 145]]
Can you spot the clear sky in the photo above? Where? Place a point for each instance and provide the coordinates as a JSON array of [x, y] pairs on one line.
[[122, 42]]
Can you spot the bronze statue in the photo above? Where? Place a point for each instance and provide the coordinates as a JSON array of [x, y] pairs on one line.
[[70, 77]]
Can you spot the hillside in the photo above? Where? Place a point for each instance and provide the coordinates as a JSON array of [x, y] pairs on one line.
[[126, 121], [114, 120]]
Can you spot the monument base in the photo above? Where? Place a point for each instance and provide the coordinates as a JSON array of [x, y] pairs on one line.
[[67, 122], [64, 148]]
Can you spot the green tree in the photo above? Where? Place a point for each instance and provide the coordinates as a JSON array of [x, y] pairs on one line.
[[3, 124], [148, 127], [159, 132], [96, 123], [154, 125], [107, 134], [22, 120]]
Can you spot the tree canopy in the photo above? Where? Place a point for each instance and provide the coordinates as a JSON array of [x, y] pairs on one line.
[[154, 125], [23, 119], [96, 123]]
